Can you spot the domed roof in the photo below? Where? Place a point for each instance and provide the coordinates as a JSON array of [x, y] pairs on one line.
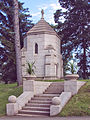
[[42, 27]]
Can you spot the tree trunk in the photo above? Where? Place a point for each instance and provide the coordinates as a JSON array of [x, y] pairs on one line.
[[17, 43], [84, 60]]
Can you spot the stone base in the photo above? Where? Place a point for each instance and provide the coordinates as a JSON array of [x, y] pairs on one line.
[[56, 109], [28, 85], [37, 87], [72, 77], [29, 77], [73, 86], [12, 109]]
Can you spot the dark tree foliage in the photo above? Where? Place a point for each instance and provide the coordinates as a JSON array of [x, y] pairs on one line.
[[75, 32], [7, 50]]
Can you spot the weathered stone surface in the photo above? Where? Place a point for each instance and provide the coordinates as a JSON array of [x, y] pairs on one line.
[[37, 87], [23, 99], [40, 87], [64, 97], [29, 77], [56, 101], [72, 86], [54, 110], [48, 61], [12, 99], [72, 77], [42, 27], [11, 109], [28, 85]]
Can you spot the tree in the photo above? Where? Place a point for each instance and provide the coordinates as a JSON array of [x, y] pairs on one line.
[[17, 43], [7, 41], [75, 32]]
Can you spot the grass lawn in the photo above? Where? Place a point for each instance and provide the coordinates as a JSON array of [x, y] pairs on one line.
[[51, 80], [5, 91], [79, 105]]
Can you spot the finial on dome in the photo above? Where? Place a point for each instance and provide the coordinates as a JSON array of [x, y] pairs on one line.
[[42, 12]]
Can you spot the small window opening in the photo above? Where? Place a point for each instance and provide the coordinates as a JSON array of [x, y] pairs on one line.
[[36, 48]]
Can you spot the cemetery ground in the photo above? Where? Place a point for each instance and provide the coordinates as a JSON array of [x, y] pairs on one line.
[[79, 105]]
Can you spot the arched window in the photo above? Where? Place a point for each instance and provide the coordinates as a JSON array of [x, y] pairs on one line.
[[36, 48]]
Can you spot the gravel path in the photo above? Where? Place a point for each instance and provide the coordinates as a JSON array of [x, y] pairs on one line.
[[45, 118]]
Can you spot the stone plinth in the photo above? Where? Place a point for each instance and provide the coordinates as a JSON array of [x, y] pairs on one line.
[[63, 98], [72, 77], [72, 86], [29, 77], [37, 87], [28, 85], [11, 109]]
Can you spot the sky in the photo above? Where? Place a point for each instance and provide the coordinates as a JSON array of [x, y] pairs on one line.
[[35, 6]]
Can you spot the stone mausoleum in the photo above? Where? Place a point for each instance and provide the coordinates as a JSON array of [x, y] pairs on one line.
[[42, 46]]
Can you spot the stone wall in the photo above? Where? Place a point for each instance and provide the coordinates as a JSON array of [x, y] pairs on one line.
[[37, 87], [42, 60], [38, 58], [40, 87], [73, 86]]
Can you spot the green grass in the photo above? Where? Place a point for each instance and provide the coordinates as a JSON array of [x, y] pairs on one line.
[[5, 91], [79, 105], [51, 80], [87, 80]]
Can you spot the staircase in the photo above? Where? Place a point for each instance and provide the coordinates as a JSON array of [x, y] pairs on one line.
[[40, 104], [55, 87]]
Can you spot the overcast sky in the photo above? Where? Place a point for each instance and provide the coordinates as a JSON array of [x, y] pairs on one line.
[[35, 6]]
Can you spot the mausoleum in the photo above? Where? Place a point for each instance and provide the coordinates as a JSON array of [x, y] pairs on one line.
[[42, 46]]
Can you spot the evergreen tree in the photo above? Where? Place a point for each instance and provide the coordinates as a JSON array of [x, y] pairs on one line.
[[7, 41], [17, 42], [75, 32]]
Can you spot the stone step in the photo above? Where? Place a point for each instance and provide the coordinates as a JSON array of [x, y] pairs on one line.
[[41, 98], [57, 83], [53, 92], [56, 86], [44, 97], [30, 115], [51, 87], [37, 108], [40, 102], [47, 95], [37, 105], [34, 112]]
